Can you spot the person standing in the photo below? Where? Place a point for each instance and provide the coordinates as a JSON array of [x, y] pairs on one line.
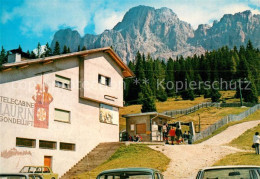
[[164, 131], [178, 134], [189, 138], [172, 134], [256, 141]]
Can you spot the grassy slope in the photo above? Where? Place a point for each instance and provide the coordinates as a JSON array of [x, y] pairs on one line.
[[173, 104], [210, 115], [252, 117], [132, 156], [244, 142], [170, 104], [240, 158]]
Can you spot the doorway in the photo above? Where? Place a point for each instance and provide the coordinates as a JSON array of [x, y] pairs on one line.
[[48, 161]]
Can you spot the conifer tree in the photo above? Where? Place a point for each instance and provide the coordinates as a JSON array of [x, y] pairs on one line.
[[84, 48], [38, 50], [3, 56], [20, 48], [148, 100], [249, 92], [188, 92], [56, 50], [32, 55], [65, 49], [247, 84], [214, 94], [140, 76], [129, 86], [47, 50], [134, 94], [149, 74], [159, 75], [169, 78], [28, 53], [223, 63]]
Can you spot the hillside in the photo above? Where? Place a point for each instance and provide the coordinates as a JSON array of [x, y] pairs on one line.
[[178, 103]]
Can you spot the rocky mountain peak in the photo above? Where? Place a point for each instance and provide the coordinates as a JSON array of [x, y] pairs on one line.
[[162, 34], [70, 38]]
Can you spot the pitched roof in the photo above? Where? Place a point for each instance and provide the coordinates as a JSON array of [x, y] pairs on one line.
[[126, 71], [149, 114]]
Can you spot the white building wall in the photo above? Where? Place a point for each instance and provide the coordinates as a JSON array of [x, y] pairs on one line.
[[84, 130]]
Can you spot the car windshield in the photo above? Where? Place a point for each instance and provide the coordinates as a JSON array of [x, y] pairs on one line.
[[28, 169], [126, 175], [234, 173], [12, 177]]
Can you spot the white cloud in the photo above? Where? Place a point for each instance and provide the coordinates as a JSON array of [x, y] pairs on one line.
[[106, 19], [41, 15], [202, 12]]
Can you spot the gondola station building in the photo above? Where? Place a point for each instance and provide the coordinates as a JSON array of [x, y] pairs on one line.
[[55, 110]]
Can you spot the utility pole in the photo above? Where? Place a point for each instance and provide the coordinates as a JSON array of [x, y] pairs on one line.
[[199, 122], [241, 99]]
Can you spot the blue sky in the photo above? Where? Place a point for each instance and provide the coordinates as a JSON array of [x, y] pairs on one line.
[[27, 22]]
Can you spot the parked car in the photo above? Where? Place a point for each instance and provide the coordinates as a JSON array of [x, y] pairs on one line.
[[43, 171], [131, 173], [20, 176], [240, 171]]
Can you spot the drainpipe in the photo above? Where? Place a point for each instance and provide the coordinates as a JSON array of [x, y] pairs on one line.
[[151, 137]]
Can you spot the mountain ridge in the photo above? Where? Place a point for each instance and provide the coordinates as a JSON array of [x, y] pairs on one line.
[[162, 34]]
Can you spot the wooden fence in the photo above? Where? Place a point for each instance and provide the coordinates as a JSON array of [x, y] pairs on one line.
[[225, 121], [192, 109]]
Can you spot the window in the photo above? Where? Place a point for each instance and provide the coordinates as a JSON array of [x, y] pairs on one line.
[[156, 176], [104, 80], [62, 82], [22, 142], [67, 146], [47, 144], [62, 115], [46, 170]]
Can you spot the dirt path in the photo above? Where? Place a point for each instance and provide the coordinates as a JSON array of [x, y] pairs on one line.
[[186, 160]]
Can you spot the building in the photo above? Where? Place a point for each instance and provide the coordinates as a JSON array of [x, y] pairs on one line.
[[54, 110], [148, 125]]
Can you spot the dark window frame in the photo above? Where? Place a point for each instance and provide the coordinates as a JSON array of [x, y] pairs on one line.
[[66, 143], [63, 85], [107, 80], [26, 139], [54, 143]]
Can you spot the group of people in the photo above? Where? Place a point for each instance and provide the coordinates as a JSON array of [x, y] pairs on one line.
[[175, 134], [135, 138]]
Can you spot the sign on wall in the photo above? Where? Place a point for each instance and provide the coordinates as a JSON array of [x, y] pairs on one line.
[[108, 114], [42, 100], [21, 112]]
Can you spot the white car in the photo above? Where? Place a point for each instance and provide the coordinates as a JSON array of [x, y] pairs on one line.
[[19, 176], [223, 172]]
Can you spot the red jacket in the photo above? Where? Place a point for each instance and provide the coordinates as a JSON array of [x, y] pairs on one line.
[[172, 132]]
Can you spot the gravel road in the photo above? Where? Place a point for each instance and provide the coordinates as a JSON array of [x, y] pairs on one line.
[[186, 160]]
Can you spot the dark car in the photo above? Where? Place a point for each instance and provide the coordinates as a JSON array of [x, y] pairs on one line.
[[240, 171], [131, 173]]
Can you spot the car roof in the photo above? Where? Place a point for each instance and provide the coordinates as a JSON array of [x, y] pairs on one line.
[[149, 170], [230, 166], [35, 166], [25, 174]]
